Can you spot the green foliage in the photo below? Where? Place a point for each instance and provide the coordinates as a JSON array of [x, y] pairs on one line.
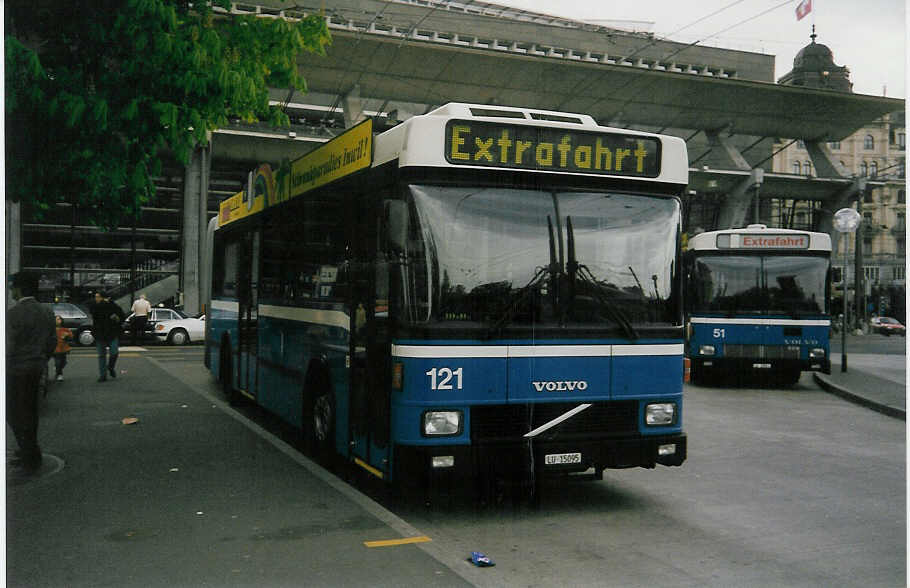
[[97, 91]]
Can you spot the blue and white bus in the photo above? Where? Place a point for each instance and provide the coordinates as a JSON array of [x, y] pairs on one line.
[[479, 291], [757, 303]]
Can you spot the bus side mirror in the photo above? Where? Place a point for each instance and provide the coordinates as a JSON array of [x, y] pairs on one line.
[[396, 213]]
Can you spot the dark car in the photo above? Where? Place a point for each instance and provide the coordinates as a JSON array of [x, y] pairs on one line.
[[76, 319], [887, 326]]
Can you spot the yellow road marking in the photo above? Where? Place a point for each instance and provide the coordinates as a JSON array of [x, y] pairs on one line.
[[394, 542], [368, 467]]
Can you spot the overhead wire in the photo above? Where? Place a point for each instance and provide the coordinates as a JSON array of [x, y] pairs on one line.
[[649, 82], [402, 43], [347, 68], [666, 38]]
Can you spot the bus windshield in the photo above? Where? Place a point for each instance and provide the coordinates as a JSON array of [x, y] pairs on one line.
[[506, 257], [759, 284]]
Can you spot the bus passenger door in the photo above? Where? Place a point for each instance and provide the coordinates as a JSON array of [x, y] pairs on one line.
[[370, 350], [248, 332]]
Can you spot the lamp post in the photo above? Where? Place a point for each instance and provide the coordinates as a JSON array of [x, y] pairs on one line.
[[846, 220]]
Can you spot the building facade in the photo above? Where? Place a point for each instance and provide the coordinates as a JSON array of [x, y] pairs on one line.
[[876, 153]]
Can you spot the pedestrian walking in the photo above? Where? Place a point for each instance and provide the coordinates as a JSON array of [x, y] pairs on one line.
[[141, 309], [30, 342], [63, 348], [107, 320]]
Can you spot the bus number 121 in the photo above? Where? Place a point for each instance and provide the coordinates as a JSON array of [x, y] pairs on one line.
[[441, 379]]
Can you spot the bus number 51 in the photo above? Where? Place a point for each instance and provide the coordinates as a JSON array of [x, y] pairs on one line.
[[441, 379]]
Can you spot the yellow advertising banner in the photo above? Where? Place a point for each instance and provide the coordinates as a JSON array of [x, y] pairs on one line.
[[258, 195], [228, 210], [347, 153]]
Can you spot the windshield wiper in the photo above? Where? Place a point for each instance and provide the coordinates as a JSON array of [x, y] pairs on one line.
[[552, 271], [581, 272]]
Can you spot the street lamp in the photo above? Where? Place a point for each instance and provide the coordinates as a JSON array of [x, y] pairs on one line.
[[846, 220]]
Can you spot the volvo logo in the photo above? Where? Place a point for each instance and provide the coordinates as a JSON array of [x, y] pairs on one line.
[[561, 386]]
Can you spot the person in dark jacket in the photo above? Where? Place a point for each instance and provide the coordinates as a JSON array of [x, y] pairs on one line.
[[30, 340], [107, 319]]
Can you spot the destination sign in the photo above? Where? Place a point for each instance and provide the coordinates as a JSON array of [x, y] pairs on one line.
[[546, 148], [749, 241]]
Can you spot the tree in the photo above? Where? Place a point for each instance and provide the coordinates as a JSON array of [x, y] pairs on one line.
[[97, 92]]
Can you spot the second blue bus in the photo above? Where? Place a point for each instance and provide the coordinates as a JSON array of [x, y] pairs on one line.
[[757, 303]]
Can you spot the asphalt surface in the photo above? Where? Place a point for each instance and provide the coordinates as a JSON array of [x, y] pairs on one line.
[[193, 494]]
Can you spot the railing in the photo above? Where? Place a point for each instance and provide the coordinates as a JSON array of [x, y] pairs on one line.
[[147, 273]]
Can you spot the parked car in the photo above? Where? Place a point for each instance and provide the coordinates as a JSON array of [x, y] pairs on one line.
[[75, 318], [887, 326], [172, 326]]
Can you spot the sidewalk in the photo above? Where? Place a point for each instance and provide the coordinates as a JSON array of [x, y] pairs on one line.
[[150, 480], [862, 387]]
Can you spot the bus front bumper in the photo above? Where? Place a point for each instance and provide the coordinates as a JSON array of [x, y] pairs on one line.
[[458, 465], [734, 365]]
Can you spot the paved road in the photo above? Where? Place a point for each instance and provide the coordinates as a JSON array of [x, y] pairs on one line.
[[782, 488]]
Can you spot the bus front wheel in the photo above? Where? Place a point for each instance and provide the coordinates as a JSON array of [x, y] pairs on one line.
[[790, 377]]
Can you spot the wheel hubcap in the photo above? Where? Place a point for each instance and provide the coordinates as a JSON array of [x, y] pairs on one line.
[[322, 415]]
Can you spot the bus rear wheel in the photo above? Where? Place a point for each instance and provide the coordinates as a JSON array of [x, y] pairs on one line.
[[226, 375], [319, 419]]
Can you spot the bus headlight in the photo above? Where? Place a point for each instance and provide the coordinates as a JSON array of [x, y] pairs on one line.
[[441, 422], [817, 353], [706, 350], [663, 413]]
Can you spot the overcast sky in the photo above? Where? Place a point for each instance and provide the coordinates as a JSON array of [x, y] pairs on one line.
[[867, 36]]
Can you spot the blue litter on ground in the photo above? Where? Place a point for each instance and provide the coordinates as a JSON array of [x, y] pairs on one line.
[[481, 560]]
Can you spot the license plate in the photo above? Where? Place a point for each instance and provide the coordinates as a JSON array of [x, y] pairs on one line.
[[562, 458], [762, 366]]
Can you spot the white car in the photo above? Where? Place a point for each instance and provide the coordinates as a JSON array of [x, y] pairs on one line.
[[173, 326]]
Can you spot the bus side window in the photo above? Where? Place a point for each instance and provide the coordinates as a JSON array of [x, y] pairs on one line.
[[229, 274]]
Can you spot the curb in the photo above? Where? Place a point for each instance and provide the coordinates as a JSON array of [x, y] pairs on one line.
[[885, 409]]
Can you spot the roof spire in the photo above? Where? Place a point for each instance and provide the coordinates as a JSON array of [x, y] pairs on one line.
[[813, 35]]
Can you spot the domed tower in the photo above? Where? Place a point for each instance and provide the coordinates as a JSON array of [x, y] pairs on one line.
[[813, 67]]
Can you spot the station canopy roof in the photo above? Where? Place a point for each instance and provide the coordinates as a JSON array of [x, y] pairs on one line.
[[620, 95]]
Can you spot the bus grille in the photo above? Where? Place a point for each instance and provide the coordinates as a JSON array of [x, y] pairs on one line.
[[511, 421], [762, 351]]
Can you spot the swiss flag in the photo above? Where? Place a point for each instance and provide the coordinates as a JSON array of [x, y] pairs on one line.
[[804, 8]]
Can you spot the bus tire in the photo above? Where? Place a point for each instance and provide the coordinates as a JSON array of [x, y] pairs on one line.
[[790, 377], [695, 376], [226, 374], [319, 416]]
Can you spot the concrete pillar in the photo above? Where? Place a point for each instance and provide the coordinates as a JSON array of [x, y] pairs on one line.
[[353, 108], [13, 237], [195, 219], [734, 209], [724, 155], [826, 166]]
